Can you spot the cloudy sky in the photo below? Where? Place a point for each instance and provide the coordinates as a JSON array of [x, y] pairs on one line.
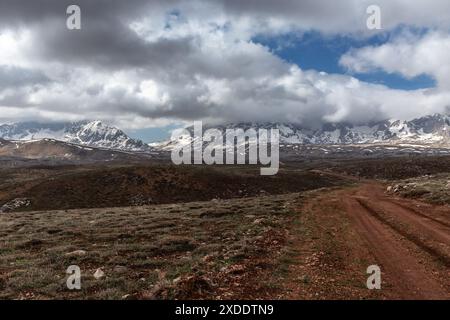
[[143, 64]]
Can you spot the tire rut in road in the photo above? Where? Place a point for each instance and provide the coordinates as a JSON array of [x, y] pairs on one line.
[[414, 238], [406, 274]]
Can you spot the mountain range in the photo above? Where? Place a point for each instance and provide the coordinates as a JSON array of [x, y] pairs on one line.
[[433, 130], [87, 133]]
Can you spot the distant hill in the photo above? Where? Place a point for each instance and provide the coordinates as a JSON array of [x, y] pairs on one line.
[[59, 150]]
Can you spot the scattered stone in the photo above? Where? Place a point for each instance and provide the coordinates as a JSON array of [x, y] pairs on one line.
[[15, 204], [99, 274], [176, 280], [258, 221], [129, 297]]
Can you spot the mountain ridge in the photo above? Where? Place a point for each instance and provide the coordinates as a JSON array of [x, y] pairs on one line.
[[432, 130], [86, 133]]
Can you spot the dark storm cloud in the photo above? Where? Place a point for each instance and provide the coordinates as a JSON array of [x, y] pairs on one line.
[[19, 12], [193, 59], [105, 38], [108, 43]]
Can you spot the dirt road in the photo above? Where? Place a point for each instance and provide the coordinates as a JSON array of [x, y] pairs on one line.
[[408, 240]]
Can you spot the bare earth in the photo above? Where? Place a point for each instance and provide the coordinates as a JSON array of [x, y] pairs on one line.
[[409, 240]]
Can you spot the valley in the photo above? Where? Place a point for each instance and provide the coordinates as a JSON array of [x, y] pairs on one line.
[[158, 231], [140, 227]]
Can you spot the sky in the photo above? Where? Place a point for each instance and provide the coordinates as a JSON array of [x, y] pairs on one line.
[[151, 66]]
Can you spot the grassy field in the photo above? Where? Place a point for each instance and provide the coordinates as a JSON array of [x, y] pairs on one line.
[[217, 249], [221, 233]]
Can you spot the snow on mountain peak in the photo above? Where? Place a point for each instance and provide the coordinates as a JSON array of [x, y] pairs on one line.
[[429, 130], [89, 133]]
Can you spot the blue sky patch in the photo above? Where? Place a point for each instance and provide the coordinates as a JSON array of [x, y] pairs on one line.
[[152, 134], [312, 50]]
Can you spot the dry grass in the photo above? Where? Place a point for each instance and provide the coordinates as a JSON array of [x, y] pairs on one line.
[[434, 189], [216, 249], [135, 185]]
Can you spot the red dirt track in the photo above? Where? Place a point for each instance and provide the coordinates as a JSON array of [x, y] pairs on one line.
[[409, 240]]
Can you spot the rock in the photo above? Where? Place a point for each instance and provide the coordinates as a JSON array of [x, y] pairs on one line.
[[15, 204], [99, 274], [76, 253], [177, 280], [389, 189], [258, 221]]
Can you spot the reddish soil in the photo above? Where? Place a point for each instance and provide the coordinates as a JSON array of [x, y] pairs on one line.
[[353, 228]]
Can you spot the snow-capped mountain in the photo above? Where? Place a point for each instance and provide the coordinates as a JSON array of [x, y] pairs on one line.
[[93, 134], [433, 130]]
